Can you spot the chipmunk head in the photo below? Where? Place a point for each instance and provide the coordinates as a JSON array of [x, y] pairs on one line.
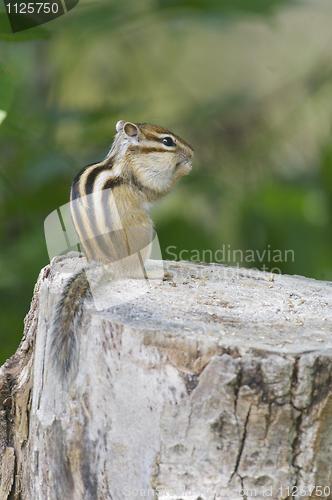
[[156, 156]]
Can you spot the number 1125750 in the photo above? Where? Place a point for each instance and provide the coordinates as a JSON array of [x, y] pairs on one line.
[[32, 8]]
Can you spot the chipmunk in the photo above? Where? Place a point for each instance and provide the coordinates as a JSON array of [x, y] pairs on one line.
[[109, 203]]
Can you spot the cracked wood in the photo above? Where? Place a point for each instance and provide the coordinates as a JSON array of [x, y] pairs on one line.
[[217, 382]]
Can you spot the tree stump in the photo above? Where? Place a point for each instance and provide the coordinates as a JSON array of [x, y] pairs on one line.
[[215, 384]]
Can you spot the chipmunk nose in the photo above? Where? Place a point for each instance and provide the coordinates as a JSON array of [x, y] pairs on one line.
[[188, 154]]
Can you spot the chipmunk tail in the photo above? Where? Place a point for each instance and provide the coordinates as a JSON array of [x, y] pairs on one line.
[[65, 328]]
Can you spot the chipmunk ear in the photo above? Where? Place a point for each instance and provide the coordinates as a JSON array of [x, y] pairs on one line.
[[119, 125], [130, 129]]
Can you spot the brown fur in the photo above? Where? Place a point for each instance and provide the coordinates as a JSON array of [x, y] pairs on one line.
[[109, 203]]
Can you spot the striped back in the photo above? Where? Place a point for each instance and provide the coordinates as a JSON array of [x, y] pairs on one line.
[[108, 200]]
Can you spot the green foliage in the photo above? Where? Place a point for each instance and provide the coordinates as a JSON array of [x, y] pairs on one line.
[[6, 92], [203, 7], [240, 88]]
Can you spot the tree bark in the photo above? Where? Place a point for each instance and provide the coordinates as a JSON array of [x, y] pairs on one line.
[[215, 384]]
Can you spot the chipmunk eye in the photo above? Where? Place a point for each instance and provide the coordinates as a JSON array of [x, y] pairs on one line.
[[168, 141]]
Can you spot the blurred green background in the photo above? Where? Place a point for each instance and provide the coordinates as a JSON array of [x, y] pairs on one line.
[[247, 83]]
